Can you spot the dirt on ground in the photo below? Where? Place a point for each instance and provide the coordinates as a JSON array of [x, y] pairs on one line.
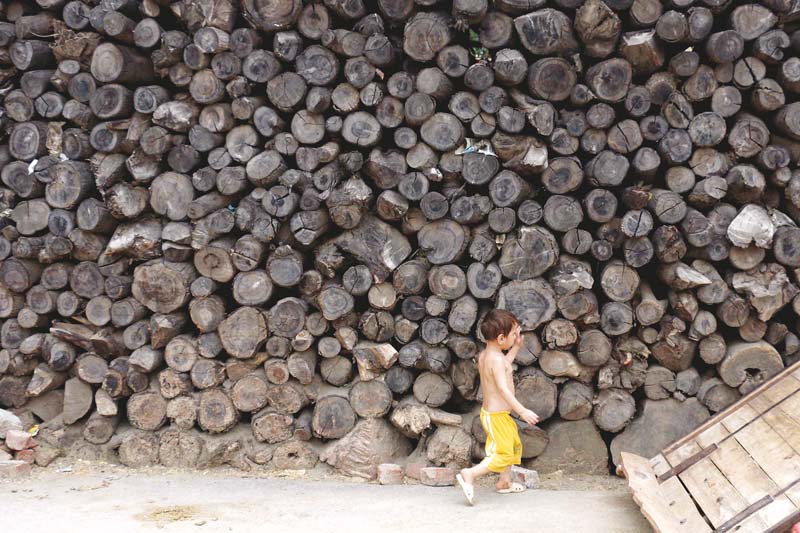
[[74, 495]]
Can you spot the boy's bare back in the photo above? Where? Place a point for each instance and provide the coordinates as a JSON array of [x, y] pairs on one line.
[[495, 371]]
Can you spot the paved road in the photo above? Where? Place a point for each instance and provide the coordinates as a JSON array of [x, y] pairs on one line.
[[136, 502]]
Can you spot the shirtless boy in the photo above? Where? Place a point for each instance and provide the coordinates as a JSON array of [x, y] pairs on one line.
[[502, 332]]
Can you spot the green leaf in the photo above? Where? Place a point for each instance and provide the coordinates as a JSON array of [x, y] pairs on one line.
[[480, 53]]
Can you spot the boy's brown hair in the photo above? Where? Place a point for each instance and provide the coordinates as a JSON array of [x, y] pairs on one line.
[[498, 322]]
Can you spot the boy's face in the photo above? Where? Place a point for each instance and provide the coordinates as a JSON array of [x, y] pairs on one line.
[[507, 341]]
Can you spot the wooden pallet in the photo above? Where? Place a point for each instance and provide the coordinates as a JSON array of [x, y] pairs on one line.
[[738, 472]]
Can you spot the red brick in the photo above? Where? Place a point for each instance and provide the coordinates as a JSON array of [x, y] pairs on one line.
[[528, 478], [25, 455], [390, 474], [19, 440], [412, 469], [435, 476], [12, 469]]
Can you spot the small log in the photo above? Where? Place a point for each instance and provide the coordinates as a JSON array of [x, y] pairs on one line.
[[614, 410], [99, 428], [716, 395], [243, 332], [370, 399], [333, 417], [216, 412], [147, 410], [575, 401], [425, 35], [546, 32]]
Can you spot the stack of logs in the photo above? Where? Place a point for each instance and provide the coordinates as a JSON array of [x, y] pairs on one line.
[[294, 215]]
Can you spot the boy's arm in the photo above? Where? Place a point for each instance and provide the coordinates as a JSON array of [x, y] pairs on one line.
[[511, 354]]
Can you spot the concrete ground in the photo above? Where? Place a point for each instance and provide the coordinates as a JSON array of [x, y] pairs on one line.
[[114, 499]]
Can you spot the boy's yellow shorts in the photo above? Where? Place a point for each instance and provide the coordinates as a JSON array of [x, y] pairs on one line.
[[503, 447]]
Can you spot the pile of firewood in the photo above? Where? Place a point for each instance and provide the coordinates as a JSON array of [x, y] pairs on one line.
[[292, 216]]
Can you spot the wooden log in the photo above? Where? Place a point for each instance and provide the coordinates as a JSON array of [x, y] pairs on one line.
[[207, 373], [216, 412], [724, 46], [614, 410], [546, 32], [270, 17], [147, 410], [333, 417], [163, 287], [243, 332], [529, 255], [716, 395], [370, 399], [610, 79], [114, 63], [760, 357], [432, 389], [78, 400], [425, 35], [99, 428]]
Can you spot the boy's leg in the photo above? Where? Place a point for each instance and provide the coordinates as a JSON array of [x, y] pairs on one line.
[[509, 448], [473, 473], [505, 478]]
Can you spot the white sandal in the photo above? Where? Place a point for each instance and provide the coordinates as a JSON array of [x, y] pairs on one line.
[[467, 488], [513, 489]]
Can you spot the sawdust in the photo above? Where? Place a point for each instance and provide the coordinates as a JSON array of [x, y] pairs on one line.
[[105, 483], [174, 513]]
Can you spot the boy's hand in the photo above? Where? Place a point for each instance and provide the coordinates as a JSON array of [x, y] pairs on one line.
[[529, 417], [520, 339]]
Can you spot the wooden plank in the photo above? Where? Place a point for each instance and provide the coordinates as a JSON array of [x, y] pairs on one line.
[[668, 511], [773, 454], [784, 526], [748, 478], [792, 407], [717, 497], [793, 371], [746, 470], [686, 463], [682, 506], [786, 394], [780, 421], [773, 527], [781, 389], [659, 464]]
